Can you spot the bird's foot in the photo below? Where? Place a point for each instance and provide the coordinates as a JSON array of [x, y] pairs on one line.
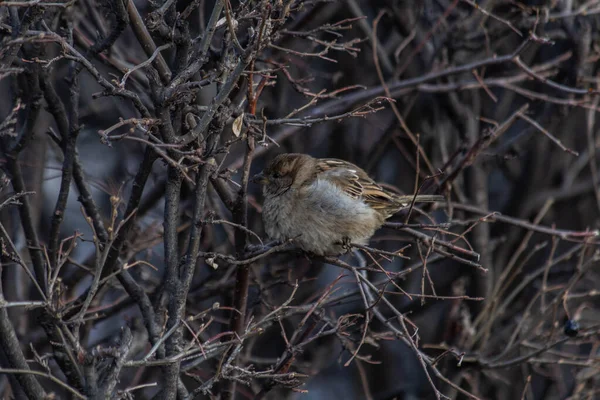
[[346, 244]]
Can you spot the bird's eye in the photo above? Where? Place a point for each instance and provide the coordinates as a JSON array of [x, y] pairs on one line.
[[276, 175]]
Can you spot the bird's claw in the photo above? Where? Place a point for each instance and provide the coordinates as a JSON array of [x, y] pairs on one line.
[[346, 244]]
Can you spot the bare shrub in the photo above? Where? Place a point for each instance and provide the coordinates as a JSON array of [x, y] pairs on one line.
[[134, 263]]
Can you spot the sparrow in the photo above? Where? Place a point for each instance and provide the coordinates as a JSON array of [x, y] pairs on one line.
[[324, 204]]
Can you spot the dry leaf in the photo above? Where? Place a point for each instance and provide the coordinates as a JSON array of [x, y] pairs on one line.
[[237, 125]]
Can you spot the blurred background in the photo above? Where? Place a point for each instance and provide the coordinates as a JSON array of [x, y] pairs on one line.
[[134, 260]]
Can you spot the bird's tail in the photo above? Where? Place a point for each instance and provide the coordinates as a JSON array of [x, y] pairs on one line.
[[420, 198]]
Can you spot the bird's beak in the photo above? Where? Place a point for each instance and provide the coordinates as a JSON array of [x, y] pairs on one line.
[[260, 179]]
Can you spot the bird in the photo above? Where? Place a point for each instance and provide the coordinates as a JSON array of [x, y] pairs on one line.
[[325, 204]]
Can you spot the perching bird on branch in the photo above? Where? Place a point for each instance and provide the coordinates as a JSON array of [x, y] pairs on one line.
[[325, 204]]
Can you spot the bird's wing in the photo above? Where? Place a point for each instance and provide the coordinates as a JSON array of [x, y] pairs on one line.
[[357, 184]]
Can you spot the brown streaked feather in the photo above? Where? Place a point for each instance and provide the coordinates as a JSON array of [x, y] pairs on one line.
[[405, 200], [356, 183]]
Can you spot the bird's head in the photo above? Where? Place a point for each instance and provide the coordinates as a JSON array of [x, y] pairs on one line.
[[286, 171]]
